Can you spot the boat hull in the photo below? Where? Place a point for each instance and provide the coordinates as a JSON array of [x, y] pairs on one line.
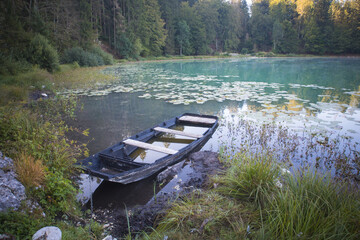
[[116, 158]]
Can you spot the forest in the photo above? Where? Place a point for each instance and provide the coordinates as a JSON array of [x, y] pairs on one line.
[[45, 32]]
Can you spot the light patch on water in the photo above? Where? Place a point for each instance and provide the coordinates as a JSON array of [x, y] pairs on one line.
[[299, 105]]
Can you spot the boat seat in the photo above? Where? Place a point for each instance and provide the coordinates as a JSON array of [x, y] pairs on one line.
[[172, 131], [149, 146], [193, 119]]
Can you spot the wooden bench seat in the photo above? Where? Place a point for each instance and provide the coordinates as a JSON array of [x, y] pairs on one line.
[[149, 146], [172, 131], [192, 119]]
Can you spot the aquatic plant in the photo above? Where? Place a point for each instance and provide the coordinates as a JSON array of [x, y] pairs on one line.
[[323, 150]]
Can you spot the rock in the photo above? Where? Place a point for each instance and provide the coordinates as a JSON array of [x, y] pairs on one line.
[[12, 192], [170, 172], [48, 233]]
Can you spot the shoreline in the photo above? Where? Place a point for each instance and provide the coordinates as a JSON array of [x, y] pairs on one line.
[[209, 57]]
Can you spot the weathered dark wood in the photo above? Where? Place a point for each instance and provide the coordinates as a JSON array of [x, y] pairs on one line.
[[149, 146], [115, 164]]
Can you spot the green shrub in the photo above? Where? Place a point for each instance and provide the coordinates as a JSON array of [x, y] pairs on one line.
[[82, 57], [8, 66], [20, 225], [41, 133], [244, 51], [106, 57], [270, 54], [57, 195], [40, 52]]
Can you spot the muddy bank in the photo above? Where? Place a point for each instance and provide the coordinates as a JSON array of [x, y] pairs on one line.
[[193, 175]]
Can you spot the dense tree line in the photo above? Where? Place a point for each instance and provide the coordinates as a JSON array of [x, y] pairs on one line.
[[134, 28]]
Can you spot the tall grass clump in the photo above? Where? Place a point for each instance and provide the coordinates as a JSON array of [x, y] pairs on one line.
[[250, 177], [205, 216], [30, 171], [312, 206]]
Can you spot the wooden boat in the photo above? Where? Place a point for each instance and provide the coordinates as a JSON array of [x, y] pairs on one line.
[[127, 161]]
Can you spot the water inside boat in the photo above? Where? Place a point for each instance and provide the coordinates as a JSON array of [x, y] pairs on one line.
[[167, 140]]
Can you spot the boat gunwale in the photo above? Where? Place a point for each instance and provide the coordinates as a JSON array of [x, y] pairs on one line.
[[160, 163]]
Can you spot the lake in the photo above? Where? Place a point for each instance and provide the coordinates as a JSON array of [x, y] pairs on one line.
[[313, 95]]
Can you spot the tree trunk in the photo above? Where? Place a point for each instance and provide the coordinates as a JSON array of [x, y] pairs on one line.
[[114, 22]]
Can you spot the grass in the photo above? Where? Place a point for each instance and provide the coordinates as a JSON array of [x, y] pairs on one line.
[[254, 199], [30, 172], [72, 76], [250, 178], [206, 215], [313, 206]]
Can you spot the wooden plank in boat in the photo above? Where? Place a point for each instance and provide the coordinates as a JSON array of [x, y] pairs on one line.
[[172, 131], [149, 146], [197, 119]]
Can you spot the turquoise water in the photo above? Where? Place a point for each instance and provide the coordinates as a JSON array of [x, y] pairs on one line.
[[319, 94], [307, 95]]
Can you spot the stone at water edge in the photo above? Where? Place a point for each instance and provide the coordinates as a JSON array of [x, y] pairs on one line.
[[48, 233]]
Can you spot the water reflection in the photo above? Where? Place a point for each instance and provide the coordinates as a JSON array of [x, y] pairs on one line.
[[311, 95]]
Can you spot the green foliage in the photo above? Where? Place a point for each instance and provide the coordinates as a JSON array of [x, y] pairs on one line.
[[82, 57], [182, 36], [150, 28], [9, 66], [304, 205], [261, 25], [40, 52], [244, 51], [15, 88], [20, 225], [313, 206], [10, 94], [57, 195], [71, 232], [40, 132], [107, 57], [207, 215], [251, 178], [124, 47], [23, 225]]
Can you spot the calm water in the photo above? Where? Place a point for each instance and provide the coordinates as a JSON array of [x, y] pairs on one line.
[[312, 94], [319, 93]]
